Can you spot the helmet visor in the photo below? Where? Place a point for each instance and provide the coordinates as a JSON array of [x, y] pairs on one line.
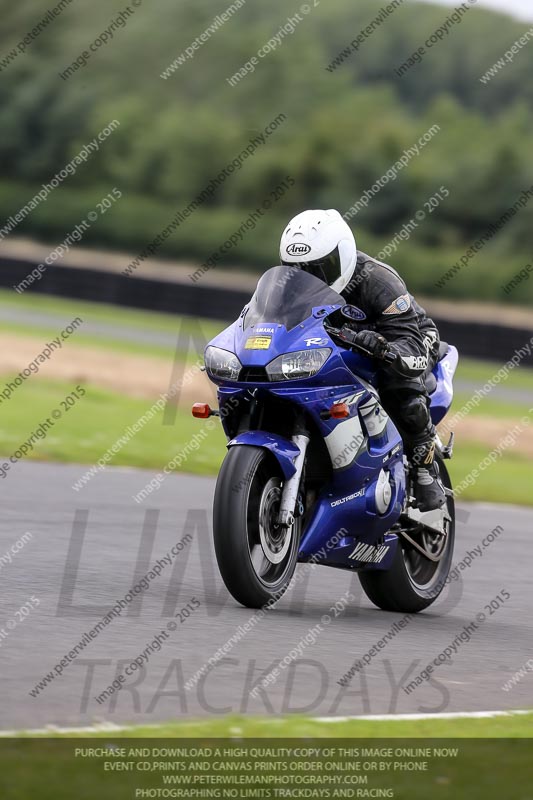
[[328, 268]]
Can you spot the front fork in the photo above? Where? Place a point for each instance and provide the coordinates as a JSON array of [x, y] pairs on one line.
[[291, 486]]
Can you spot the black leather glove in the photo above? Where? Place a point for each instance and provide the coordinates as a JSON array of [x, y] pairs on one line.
[[374, 343]]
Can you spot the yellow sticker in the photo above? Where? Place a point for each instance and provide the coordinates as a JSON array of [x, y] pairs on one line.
[[258, 343]]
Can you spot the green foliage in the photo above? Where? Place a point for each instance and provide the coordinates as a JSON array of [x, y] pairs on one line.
[[344, 129]]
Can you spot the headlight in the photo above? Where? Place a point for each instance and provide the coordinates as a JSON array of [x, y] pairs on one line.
[[300, 364], [222, 364]]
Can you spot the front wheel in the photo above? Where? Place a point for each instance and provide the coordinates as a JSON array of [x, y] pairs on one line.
[[256, 556], [414, 582]]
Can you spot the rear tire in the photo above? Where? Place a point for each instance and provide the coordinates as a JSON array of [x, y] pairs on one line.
[[256, 558], [413, 582]]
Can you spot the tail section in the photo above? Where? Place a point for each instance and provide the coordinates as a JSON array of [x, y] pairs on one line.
[[441, 398]]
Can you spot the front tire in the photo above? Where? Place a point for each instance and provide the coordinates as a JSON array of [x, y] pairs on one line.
[[256, 558], [413, 582]]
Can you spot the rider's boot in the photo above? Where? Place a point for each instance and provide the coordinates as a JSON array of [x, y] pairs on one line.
[[427, 486]]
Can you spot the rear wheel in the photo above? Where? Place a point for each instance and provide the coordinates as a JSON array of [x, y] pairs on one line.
[[256, 556], [415, 581]]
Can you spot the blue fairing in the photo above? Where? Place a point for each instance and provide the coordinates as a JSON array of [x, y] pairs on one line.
[[363, 449], [441, 398], [284, 451]]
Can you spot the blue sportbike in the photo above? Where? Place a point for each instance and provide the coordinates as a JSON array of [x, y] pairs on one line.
[[315, 469]]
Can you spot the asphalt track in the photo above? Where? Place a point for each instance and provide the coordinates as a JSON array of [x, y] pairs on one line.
[[77, 572]]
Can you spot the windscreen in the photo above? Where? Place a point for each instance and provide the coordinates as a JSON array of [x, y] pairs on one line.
[[287, 295]]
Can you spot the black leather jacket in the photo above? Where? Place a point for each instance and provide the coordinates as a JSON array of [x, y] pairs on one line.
[[377, 298]]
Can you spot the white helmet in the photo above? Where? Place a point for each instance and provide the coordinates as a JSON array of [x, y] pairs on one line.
[[321, 243]]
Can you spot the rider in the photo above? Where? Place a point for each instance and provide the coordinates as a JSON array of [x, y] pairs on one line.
[[321, 243]]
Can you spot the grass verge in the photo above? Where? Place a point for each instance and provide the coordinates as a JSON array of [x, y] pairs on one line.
[[86, 431], [98, 420], [416, 759], [512, 725], [468, 369]]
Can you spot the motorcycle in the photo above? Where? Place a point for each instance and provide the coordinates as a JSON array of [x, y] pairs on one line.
[[315, 469]]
